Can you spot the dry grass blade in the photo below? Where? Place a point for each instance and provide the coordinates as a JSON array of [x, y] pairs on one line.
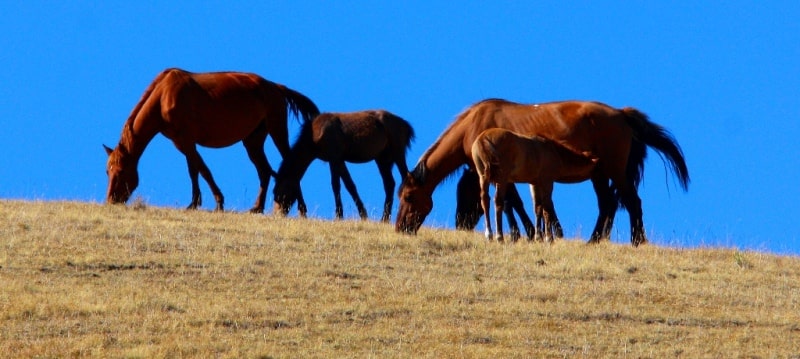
[[90, 280]]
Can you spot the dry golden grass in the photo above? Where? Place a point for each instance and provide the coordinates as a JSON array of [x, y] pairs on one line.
[[88, 280]]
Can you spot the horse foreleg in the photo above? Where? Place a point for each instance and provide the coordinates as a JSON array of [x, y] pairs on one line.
[[385, 169], [544, 200], [514, 203], [538, 213], [607, 206], [206, 173], [197, 200], [513, 226], [351, 188]]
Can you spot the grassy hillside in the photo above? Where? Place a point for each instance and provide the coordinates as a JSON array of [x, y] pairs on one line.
[[80, 279]]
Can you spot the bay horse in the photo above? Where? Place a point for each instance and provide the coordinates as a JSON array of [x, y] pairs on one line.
[[617, 137], [503, 158], [469, 210], [336, 138], [216, 110]]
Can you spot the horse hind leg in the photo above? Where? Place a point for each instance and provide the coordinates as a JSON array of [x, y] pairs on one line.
[[254, 144], [385, 169], [607, 206], [484, 203], [633, 204], [499, 204], [336, 186], [351, 188]]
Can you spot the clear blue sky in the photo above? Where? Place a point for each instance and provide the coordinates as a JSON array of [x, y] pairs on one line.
[[724, 79]]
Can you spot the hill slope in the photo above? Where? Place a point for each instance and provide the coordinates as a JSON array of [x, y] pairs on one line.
[[84, 279]]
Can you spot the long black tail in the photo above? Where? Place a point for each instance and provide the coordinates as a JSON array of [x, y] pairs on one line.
[[299, 105], [649, 134]]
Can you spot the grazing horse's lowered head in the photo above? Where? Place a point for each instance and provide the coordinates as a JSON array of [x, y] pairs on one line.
[[410, 218], [123, 176], [286, 194]]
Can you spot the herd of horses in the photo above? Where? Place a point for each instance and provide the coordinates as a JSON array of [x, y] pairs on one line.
[[500, 142]]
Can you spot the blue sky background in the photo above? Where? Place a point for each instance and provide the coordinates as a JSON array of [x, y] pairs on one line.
[[724, 79]]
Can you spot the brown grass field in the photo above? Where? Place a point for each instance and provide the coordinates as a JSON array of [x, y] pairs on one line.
[[89, 280]]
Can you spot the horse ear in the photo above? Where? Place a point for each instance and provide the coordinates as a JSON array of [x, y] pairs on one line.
[[108, 150], [411, 178]]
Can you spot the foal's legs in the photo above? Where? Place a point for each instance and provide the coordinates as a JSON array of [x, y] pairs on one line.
[[499, 203], [543, 197], [196, 165], [254, 144], [484, 201], [385, 168], [339, 171]]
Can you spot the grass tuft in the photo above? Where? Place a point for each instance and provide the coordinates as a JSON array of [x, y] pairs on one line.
[[89, 280]]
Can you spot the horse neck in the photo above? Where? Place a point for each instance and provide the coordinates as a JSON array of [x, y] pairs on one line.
[[137, 133], [296, 163], [440, 162]]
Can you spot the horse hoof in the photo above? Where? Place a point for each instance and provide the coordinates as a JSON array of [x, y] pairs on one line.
[[488, 235]]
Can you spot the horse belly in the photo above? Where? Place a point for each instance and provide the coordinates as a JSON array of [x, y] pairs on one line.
[[226, 129]]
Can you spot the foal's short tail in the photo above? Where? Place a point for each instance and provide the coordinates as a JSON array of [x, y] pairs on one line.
[[299, 104], [489, 161], [647, 133]]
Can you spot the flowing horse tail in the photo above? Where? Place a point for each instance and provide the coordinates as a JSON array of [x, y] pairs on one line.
[[299, 104], [647, 133]]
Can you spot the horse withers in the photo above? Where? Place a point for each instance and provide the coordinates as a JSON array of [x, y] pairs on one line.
[[336, 138], [503, 158], [214, 110]]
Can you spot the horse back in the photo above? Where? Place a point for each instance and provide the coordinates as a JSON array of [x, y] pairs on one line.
[[216, 109]]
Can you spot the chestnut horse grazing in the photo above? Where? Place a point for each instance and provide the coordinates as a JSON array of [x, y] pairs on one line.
[[617, 137], [503, 157], [469, 210], [337, 138], [210, 109]]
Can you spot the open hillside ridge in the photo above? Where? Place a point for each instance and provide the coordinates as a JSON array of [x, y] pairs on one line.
[[92, 280]]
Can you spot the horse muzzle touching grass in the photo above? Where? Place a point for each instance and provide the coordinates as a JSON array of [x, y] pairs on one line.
[[414, 205], [284, 198], [122, 178]]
